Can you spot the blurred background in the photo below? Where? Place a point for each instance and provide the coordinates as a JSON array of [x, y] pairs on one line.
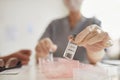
[[22, 22]]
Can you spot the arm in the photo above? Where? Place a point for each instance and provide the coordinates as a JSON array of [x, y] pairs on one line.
[[23, 55], [42, 45]]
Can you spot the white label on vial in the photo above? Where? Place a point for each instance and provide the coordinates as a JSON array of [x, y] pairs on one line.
[[70, 51]]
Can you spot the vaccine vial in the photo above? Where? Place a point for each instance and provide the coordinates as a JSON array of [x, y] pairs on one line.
[[70, 50]]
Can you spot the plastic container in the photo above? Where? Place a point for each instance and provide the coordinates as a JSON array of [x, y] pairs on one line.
[[59, 68]]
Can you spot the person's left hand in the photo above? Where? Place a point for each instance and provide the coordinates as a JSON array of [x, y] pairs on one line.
[[93, 39], [99, 45]]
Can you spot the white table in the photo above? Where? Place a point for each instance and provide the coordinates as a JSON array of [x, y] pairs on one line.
[[27, 73], [30, 72]]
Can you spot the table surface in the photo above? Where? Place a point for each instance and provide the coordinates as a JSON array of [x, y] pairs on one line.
[[27, 73], [30, 72]]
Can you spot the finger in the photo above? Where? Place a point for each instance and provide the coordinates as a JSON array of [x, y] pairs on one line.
[[37, 57], [88, 37], [82, 35], [40, 52], [107, 41], [44, 49], [106, 38], [37, 48], [95, 47], [98, 38], [41, 55], [22, 56], [93, 32], [53, 48], [50, 45], [47, 43], [70, 38], [99, 45]]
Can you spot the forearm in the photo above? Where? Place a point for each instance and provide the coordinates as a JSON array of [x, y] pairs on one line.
[[95, 57]]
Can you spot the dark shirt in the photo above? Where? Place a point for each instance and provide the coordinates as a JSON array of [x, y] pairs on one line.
[[59, 30]]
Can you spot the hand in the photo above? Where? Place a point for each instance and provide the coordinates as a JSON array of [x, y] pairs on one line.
[[93, 38], [99, 44], [44, 47], [23, 55]]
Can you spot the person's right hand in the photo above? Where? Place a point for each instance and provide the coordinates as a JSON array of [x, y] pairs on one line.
[[43, 48]]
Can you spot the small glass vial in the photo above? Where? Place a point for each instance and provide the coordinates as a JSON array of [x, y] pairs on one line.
[[70, 49]]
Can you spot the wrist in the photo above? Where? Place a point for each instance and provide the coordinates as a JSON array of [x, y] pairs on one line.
[[96, 54], [95, 57]]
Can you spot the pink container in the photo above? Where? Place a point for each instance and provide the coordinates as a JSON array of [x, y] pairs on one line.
[[60, 68]]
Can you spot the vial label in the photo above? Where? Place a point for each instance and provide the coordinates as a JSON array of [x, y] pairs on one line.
[[70, 50]]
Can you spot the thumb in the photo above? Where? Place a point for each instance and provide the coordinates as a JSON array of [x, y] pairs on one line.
[[53, 48]]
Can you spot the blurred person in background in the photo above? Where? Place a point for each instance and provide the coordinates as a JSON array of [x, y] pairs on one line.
[[22, 55], [55, 37]]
